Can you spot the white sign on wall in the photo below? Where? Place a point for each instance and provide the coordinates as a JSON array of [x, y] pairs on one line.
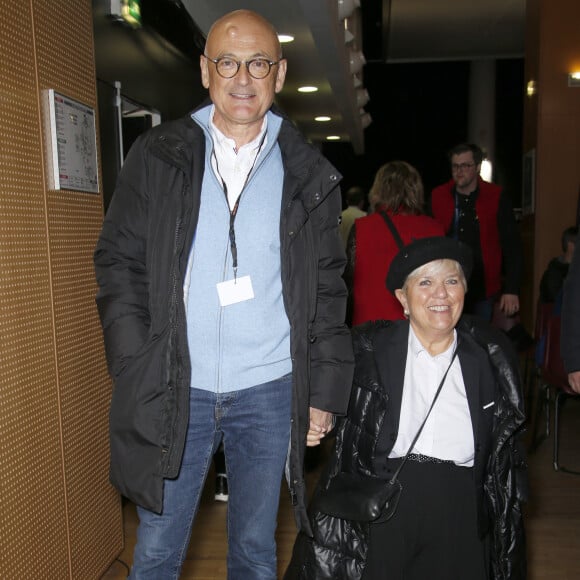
[[72, 144]]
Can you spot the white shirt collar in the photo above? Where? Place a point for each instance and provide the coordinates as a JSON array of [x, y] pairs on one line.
[[416, 348], [226, 143]]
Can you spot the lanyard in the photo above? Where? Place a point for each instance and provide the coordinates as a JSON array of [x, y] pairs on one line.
[[456, 217], [234, 210]]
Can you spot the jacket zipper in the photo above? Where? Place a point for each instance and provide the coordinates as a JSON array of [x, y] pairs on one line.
[[219, 329], [171, 373], [224, 276]]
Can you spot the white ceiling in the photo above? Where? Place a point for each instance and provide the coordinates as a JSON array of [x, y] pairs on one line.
[[417, 31]]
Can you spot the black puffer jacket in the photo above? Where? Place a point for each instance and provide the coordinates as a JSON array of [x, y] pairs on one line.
[[338, 548], [140, 263]]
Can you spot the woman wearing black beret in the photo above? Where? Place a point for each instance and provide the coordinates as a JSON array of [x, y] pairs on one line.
[[436, 408]]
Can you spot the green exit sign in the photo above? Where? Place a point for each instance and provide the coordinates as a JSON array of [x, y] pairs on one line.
[[131, 12]]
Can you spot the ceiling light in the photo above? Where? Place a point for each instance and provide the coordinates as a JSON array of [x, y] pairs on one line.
[[346, 8], [285, 38], [322, 119], [333, 138], [531, 88], [574, 79], [486, 171], [307, 89]]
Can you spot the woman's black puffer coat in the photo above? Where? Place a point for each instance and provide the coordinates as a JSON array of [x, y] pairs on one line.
[[338, 548]]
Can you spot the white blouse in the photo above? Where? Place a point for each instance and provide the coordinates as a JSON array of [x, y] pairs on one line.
[[448, 433]]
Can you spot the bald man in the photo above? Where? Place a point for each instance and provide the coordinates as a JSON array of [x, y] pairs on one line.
[[220, 294]]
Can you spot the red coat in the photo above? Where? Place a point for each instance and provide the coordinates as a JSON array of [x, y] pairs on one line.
[[487, 208], [375, 249]]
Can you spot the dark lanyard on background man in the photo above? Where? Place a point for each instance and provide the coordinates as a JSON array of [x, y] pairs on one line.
[[234, 210], [455, 231]]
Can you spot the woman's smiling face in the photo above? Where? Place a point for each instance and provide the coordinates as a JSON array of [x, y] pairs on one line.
[[433, 297]]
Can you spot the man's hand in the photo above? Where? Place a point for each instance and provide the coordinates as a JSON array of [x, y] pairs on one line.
[[573, 379], [320, 425], [509, 304]]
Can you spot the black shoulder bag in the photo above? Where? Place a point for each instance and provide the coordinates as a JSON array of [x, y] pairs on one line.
[[362, 498], [393, 229]]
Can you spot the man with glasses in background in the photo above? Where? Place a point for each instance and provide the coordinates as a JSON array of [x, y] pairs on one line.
[[480, 214], [220, 293]]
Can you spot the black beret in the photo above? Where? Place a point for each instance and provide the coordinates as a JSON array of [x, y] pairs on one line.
[[423, 251]]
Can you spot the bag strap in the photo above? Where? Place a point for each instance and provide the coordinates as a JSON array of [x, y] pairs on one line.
[[395, 475], [393, 229]]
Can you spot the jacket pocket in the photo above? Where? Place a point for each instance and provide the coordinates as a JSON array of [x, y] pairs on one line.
[[140, 389]]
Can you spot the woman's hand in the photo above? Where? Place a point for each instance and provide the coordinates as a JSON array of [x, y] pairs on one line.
[[320, 426], [573, 380]]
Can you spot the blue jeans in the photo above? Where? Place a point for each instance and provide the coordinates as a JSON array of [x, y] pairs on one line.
[[255, 426]]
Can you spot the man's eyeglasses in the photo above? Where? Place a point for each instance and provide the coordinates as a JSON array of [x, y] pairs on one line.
[[460, 166], [258, 68]]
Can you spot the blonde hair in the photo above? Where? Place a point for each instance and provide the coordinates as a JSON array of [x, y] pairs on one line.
[[399, 187], [435, 267]]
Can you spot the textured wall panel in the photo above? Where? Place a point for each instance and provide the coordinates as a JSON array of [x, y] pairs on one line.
[[74, 221], [60, 516], [74, 224], [33, 539]]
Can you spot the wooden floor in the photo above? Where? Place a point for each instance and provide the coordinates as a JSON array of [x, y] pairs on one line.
[[552, 519]]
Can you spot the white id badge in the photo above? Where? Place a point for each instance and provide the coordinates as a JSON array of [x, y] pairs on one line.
[[234, 291]]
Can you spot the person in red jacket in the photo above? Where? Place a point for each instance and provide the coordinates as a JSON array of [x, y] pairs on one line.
[[396, 198], [480, 214]]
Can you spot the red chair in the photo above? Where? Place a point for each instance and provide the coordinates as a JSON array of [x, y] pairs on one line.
[[554, 374], [544, 311], [535, 387]]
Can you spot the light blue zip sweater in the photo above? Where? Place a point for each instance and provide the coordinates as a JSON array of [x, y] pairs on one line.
[[245, 344]]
